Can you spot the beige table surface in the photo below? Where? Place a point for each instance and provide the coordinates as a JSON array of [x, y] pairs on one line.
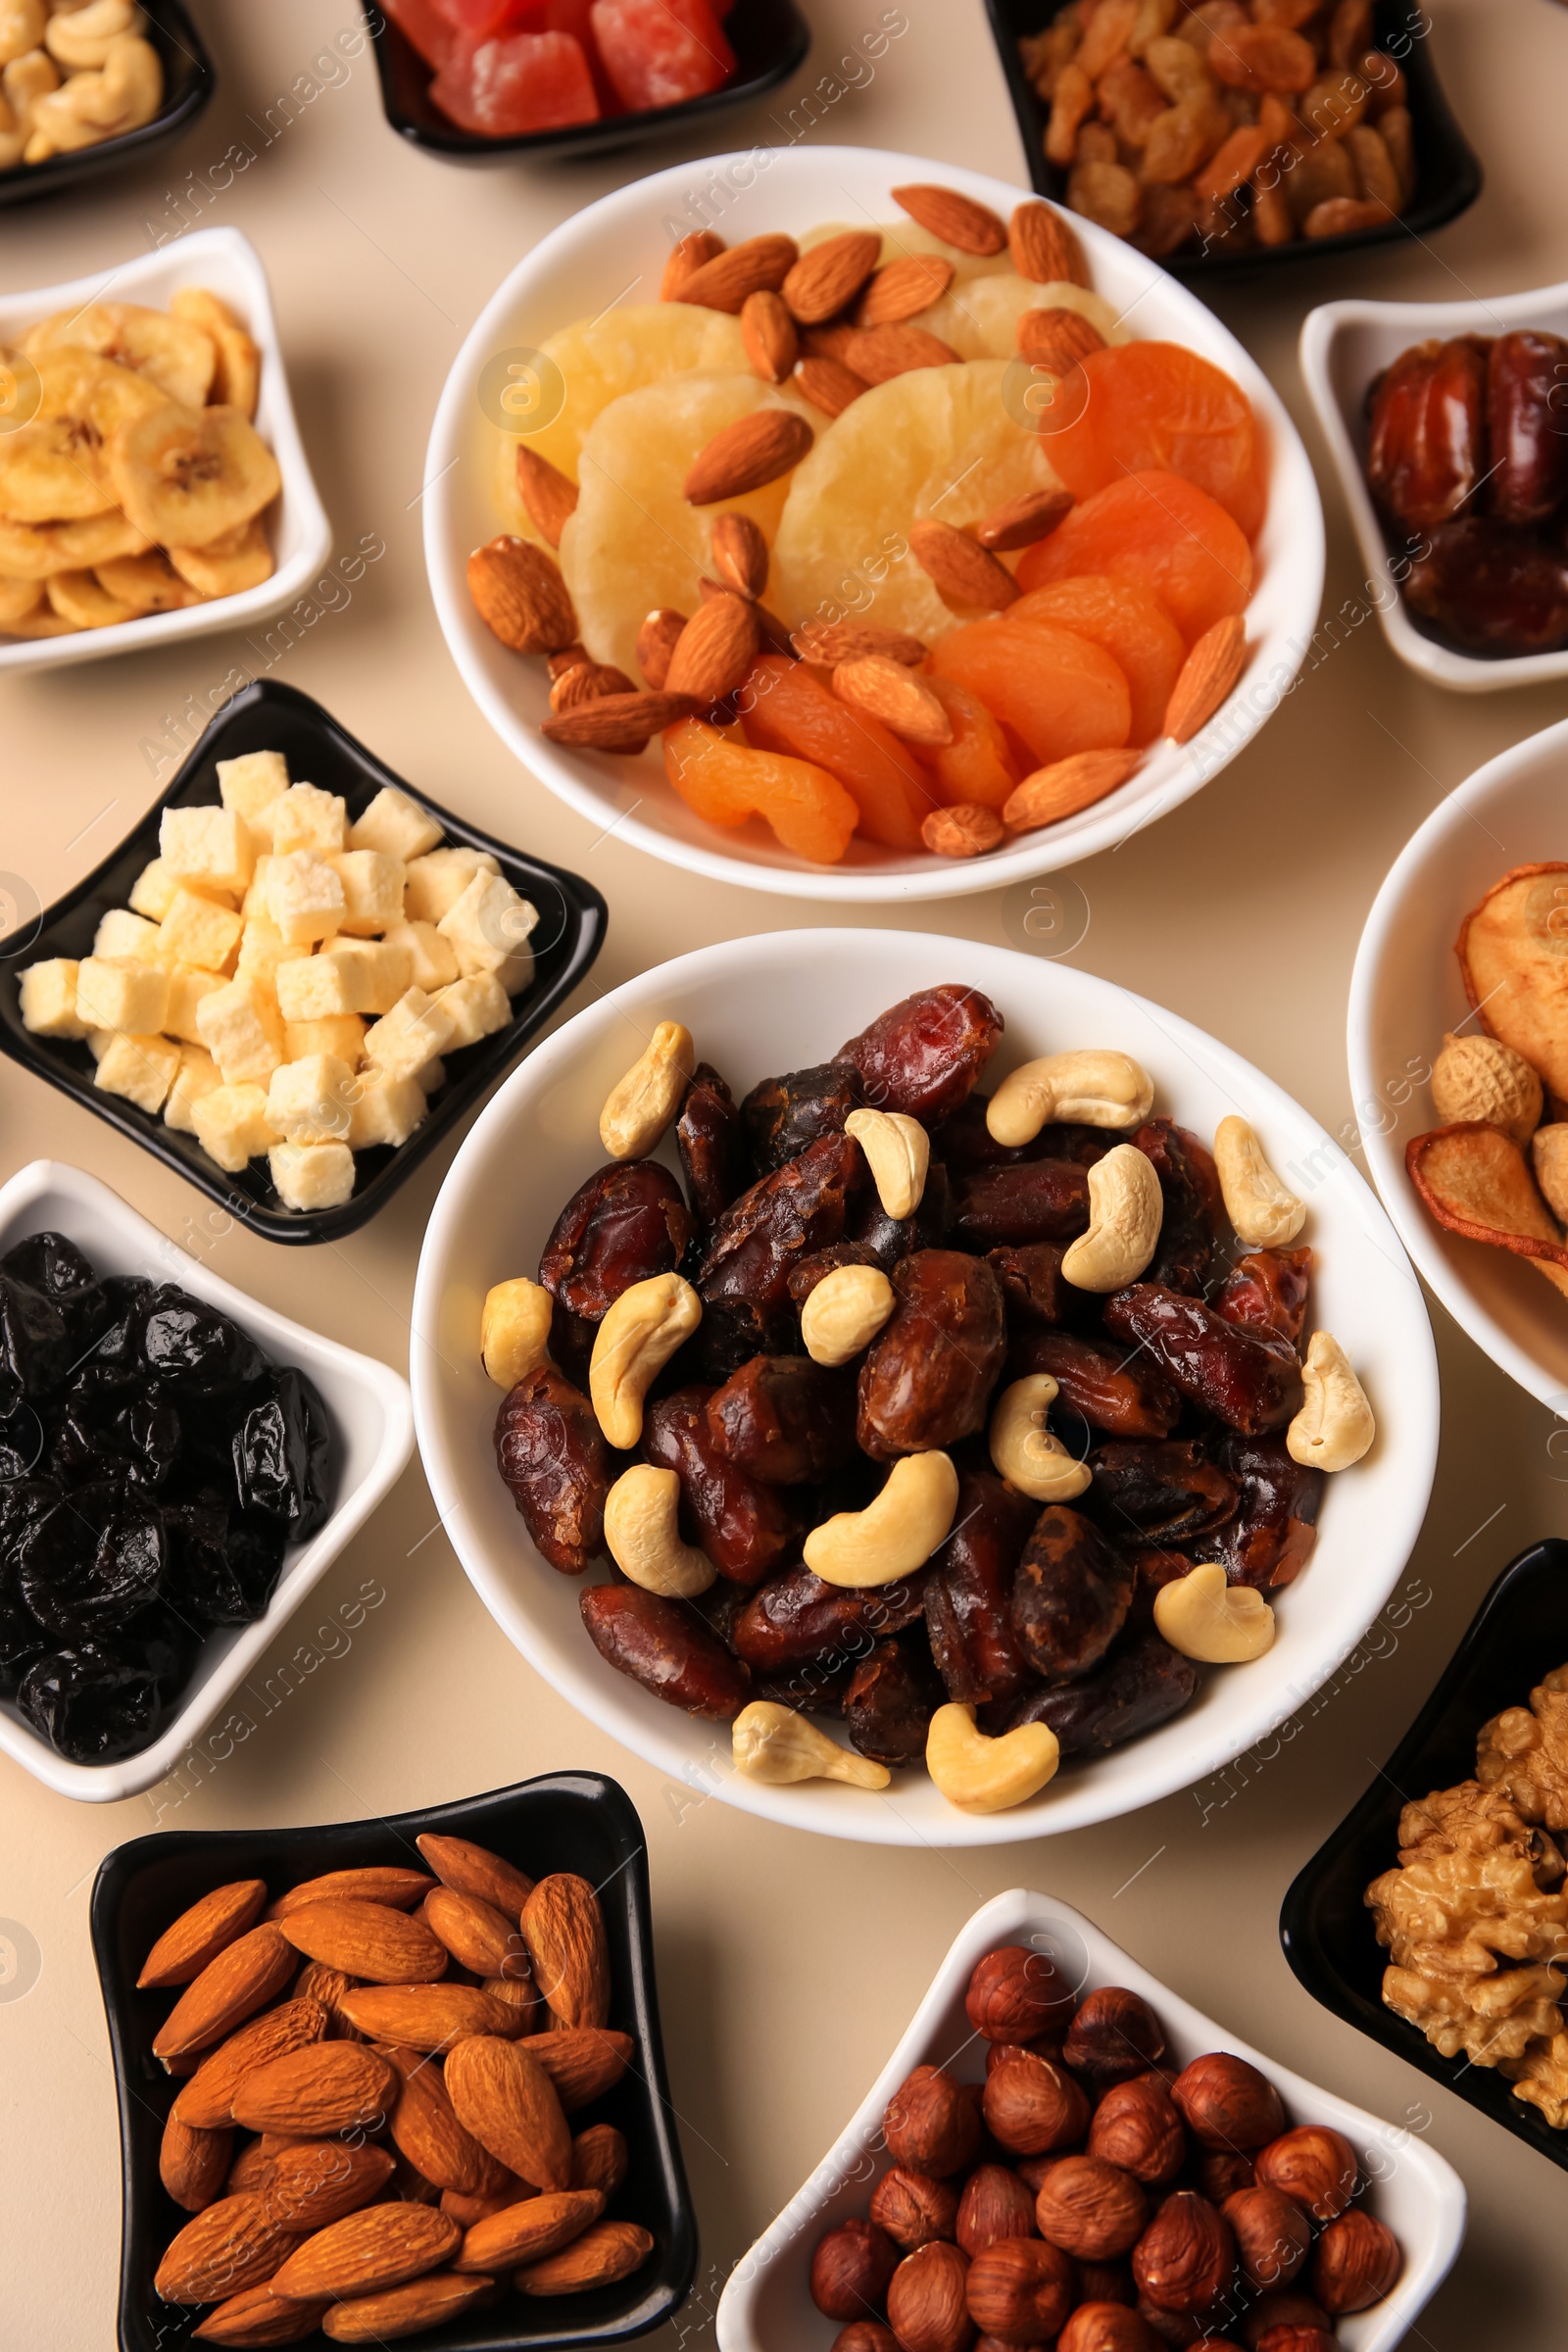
[[788, 1966]]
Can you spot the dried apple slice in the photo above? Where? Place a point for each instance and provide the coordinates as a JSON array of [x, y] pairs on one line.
[[1513, 953], [1477, 1182]]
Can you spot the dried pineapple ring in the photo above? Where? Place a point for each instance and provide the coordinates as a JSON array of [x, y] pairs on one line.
[[186, 476], [175, 356], [228, 566], [980, 318], [53, 470]]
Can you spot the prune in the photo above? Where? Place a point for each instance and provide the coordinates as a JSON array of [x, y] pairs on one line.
[[922, 1056], [764, 1235], [552, 1455], [712, 1141], [785, 1420], [92, 1561], [1033, 1290], [199, 1355], [1527, 386], [1247, 1383], [36, 1350], [223, 1569], [1266, 1292], [1070, 1595], [968, 1590], [1159, 1493], [52, 1265], [280, 1458], [1038, 1201], [892, 1238], [21, 1637], [93, 1702], [23, 1440], [666, 1648], [1270, 1539], [1490, 589], [627, 1223], [1142, 1684], [822, 1262], [130, 1299], [890, 1704], [929, 1378], [1110, 1389], [1194, 1224], [782, 1115], [797, 1619], [1426, 450], [747, 1530]]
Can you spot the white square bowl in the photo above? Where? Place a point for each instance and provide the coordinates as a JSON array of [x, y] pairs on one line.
[[766, 2304], [302, 537], [372, 1426], [1344, 346]]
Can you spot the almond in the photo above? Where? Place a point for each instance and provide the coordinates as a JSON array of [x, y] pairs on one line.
[[206, 2101], [389, 1884], [235, 2245], [715, 650], [1205, 678], [1044, 247], [548, 495], [564, 1928], [686, 259], [740, 554], [427, 2017], [1064, 787], [331, 2086], [520, 595], [475, 1932], [599, 2159], [830, 275], [582, 2064], [657, 640], [744, 456], [880, 353], [965, 830], [557, 666], [1057, 340], [829, 385], [888, 691], [828, 342], [466, 2210], [317, 1981], [609, 2250], [522, 1994], [503, 2095], [904, 289], [258, 2318], [961, 571], [381, 2246], [1023, 521], [584, 682], [475, 1870], [405, 2310], [409, 2186], [767, 332], [368, 1940], [246, 1975], [827, 643], [253, 2166], [192, 2164], [956, 220], [320, 2181], [200, 1933], [429, 2134], [528, 2231], [618, 723], [758, 266]]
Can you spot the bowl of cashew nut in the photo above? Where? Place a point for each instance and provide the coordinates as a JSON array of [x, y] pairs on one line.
[[915, 1393], [84, 84]]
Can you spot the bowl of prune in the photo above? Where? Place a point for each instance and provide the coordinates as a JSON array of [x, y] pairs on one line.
[[178, 1465], [1448, 423], [921, 1396]]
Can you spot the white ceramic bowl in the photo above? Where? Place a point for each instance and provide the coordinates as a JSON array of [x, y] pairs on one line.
[[766, 2303], [296, 521], [1344, 346], [613, 251], [788, 1000], [370, 1410], [1406, 992]]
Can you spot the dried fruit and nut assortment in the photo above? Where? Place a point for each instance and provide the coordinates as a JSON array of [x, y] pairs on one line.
[[75, 73], [1474, 1914], [505, 68], [286, 982], [136, 482], [155, 1466], [382, 2117], [1044, 529], [1090, 2195], [1223, 126], [977, 1421], [1467, 460]]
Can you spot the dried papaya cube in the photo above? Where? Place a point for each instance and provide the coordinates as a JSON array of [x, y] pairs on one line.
[[1159, 405], [1163, 534], [1057, 691], [1133, 626], [662, 52], [785, 709], [725, 782], [978, 765]]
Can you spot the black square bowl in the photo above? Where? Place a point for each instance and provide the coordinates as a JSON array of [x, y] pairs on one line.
[[575, 1820], [188, 85], [268, 717], [769, 38], [1519, 1634], [1448, 171]]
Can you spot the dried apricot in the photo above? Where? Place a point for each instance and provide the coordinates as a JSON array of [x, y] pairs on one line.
[[1163, 534], [977, 765], [1057, 691], [1160, 405], [785, 709], [727, 782], [1132, 625]]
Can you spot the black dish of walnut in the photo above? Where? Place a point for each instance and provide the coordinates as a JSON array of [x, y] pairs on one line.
[[1176, 1390]]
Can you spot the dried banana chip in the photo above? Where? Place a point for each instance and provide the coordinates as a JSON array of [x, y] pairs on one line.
[[176, 357], [237, 377], [18, 598], [53, 470], [187, 477], [227, 567], [30, 551], [80, 597], [147, 583]]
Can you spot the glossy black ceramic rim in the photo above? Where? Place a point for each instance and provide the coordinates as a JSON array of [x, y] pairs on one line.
[[171, 28], [560, 966], [499, 1820], [1448, 176]]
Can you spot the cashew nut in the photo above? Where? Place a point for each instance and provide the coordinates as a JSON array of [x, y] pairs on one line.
[[642, 1532], [986, 1776], [1335, 1426], [1264, 1212], [897, 1150], [1208, 1618], [1125, 1208], [1482, 1078], [843, 1312], [126, 93], [773, 1743], [515, 1330], [1023, 1449], [21, 27], [1095, 1088], [27, 80], [81, 38], [642, 1105], [634, 1344], [893, 1535]]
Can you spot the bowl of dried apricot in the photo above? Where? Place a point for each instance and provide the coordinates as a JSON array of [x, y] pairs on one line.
[[883, 560]]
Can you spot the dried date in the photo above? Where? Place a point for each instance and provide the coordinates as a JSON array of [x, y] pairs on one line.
[[1142, 1684], [968, 1592], [1270, 1539], [923, 1055], [784, 1420], [929, 1378], [1070, 1595], [782, 1115], [797, 1619], [890, 1703], [712, 1141], [1123, 1395], [1427, 425], [552, 1455], [822, 1262], [1193, 1225], [1266, 1292], [1490, 589], [626, 1223], [747, 1531], [1161, 1492], [1249, 1383], [664, 1645], [1527, 389], [1036, 1200], [775, 1224], [891, 1238], [1033, 1290]]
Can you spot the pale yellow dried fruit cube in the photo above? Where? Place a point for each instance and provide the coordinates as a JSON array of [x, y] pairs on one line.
[[230, 1125], [99, 1042], [304, 896], [396, 826], [979, 319], [196, 931], [140, 1068], [257, 898], [262, 948], [309, 818], [152, 893], [435, 882], [310, 1102], [351, 975], [489, 925], [433, 1076], [126, 937], [187, 989], [339, 1033], [198, 1075], [207, 846], [311, 1175], [372, 890], [476, 1007], [432, 959], [416, 1029], [47, 995], [314, 989], [128, 995], [253, 785], [386, 1110], [243, 1031]]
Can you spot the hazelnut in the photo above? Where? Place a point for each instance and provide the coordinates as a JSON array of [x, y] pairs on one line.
[[1015, 1995], [1114, 2035], [931, 2125], [995, 2204], [1091, 2209], [913, 2208], [1298, 2340], [1137, 2126], [865, 2335], [1315, 2165], [1106, 2283], [1107, 2327], [1019, 2291], [1358, 2261], [1032, 2171], [1225, 2103], [1273, 2235], [1280, 2309], [1176, 2327], [851, 2270], [1186, 2257], [1034, 2107], [926, 2308], [1221, 2172], [1044, 2045]]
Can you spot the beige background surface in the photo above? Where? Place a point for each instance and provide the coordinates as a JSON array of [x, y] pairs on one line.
[[787, 1966]]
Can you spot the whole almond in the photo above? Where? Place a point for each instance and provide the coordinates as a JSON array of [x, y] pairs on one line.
[[522, 1994], [320, 2181], [830, 342], [1205, 678], [405, 2310], [584, 682], [767, 332], [609, 2250], [599, 2159], [564, 1928], [657, 640], [758, 266], [830, 275], [475, 1870], [959, 568], [1024, 522], [528, 2231], [427, 2130], [1064, 787], [231, 2246], [548, 495], [618, 723], [258, 2317], [903, 289], [199, 1934], [206, 2100], [466, 2210], [827, 643], [379, 1883], [965, 830], [740, 554], [520, 595], [475, 1932], [557, 666], [956, 220], [1044, 248], [1058, 339], [381, 2246], [686, 258], [503, 2097], [244, 1976], [880, 353], [368, 1940], [747, 454], [252, 2168], [715, 650], [427, 2017], [331, 2086], [317, 1981], [829, 385], [581, 2063], [192, 2164], [896, 696]]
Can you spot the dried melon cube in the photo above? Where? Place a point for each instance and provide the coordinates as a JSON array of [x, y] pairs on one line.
[[152, 893], [475, 1006], [253, 785], [122, 994], [396, 826], [124, 936], [198, 1075], [140, 1068], [230, 1123], [207, 846], [311, 1175], [262, 948], [242, 1029], [196, 931], [339, 1033], [372, 890], [187, 988], [432, 959], [48, 998], [310, 1102], [388, 1109], [488, 926], [307, 818], [437, 881], [304, 896], [416, 1029]]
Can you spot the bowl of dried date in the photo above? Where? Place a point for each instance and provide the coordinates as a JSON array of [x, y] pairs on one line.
[[924, 1437], [851, 533]]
